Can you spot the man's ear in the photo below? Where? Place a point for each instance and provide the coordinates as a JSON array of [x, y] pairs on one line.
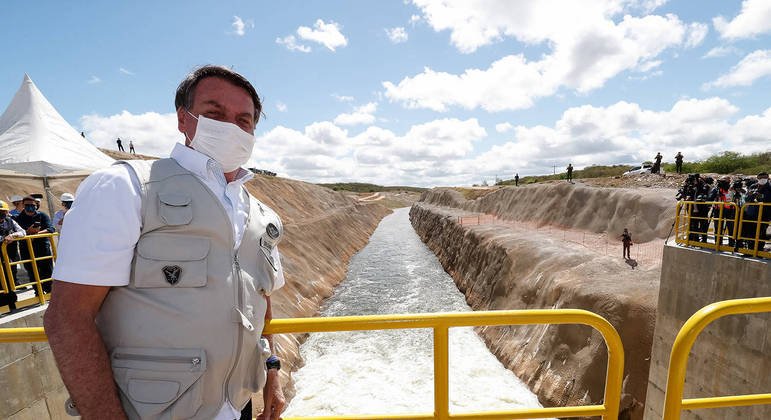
[[181, 119]]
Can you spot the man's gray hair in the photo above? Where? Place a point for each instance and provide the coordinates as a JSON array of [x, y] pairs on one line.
[[186, 89]]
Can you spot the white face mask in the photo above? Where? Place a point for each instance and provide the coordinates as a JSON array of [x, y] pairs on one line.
[[763, 181], [224, 142]]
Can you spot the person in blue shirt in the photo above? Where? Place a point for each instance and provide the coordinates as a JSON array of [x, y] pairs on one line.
[[34, 222]]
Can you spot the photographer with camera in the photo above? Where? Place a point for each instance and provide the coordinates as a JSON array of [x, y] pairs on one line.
[[735, 195], [720, 193], [757, 192], [696, 188]]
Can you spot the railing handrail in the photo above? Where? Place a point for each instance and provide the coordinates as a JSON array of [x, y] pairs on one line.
[[9, 284], [440, 323], [678, 359], [683, 230]]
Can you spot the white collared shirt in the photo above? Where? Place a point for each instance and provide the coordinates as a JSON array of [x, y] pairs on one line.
[[104, 224]]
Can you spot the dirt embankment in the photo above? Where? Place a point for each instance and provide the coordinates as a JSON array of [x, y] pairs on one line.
[[505, 267], [648, 213]]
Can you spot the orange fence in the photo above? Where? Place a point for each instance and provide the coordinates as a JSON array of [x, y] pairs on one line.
[[649, 252]]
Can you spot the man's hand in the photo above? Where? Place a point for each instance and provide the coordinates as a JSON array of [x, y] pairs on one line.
[[272, 397], [8, 239], [32, 230]]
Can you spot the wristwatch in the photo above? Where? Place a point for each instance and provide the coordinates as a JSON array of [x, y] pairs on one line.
[[273, 362]]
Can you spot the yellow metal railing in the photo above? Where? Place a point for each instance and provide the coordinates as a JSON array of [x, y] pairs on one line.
[[697, 222], [8, 283], [440, 323], [755, 227], [678, 360]]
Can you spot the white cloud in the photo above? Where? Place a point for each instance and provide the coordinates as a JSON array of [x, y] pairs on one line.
[[397, 35], [753, 20], [326, 34], [94, 80], [720, 51], [239, 26], [449, 152], [126, 72], [361, 115], [503, 127], [755, 65], [290, 42], [414, 19], [626, 133], [586, 45], [696, 34], [342, 98], [152, 133], [281, 107]]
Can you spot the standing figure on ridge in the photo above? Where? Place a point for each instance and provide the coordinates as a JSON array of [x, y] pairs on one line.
[[679, 162], [165, 273], [120, 145], [131, 147], [516, 180], [626, 241], [570, 172], [657, 164]]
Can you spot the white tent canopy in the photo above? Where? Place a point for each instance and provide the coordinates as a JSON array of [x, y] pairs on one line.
[[35, 138]]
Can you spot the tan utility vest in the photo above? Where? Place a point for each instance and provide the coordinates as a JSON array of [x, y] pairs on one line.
[[184, 335]]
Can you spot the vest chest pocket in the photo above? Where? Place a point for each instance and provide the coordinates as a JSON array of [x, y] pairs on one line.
[[157, 381], [168, 260], [175, 209]]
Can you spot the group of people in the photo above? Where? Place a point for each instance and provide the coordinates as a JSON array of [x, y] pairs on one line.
[[25, 218], [733, 193], [121, 149]]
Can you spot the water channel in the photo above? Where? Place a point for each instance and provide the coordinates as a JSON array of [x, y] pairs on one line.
[[390, 372]]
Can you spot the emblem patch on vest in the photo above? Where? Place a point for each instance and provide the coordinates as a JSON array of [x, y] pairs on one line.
[[272, 231], [172, 274]]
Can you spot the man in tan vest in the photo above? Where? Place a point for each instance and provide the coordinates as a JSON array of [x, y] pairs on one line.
[[165, 271]]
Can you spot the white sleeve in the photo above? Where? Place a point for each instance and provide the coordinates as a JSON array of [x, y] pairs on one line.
[[103, 227]]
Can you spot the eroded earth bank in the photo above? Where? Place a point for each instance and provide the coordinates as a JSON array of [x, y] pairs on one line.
[[505, 265]]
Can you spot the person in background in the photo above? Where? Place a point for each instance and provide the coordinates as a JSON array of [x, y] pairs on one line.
[[679, 162], [66, 200], [626, 241], [35, 222], [720, 211], [570, 172], [9, 231], [763, 195], [17, 204], [656, 164], [120, 145], [516, 180], [131, 147]]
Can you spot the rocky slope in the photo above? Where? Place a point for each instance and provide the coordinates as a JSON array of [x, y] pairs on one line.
[[505, 267]]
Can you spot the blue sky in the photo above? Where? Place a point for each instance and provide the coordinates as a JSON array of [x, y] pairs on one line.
[[422, 92]]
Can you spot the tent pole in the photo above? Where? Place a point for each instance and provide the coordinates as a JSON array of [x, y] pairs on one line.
[[48, 197]]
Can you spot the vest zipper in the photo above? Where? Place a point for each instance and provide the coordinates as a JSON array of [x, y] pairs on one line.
[[195, 361], [239, 298]]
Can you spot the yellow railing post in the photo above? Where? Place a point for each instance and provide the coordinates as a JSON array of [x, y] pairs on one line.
[[441, 373], [678, 360]]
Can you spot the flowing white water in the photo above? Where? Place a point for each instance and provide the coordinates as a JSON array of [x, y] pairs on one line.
[[390, 372]]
